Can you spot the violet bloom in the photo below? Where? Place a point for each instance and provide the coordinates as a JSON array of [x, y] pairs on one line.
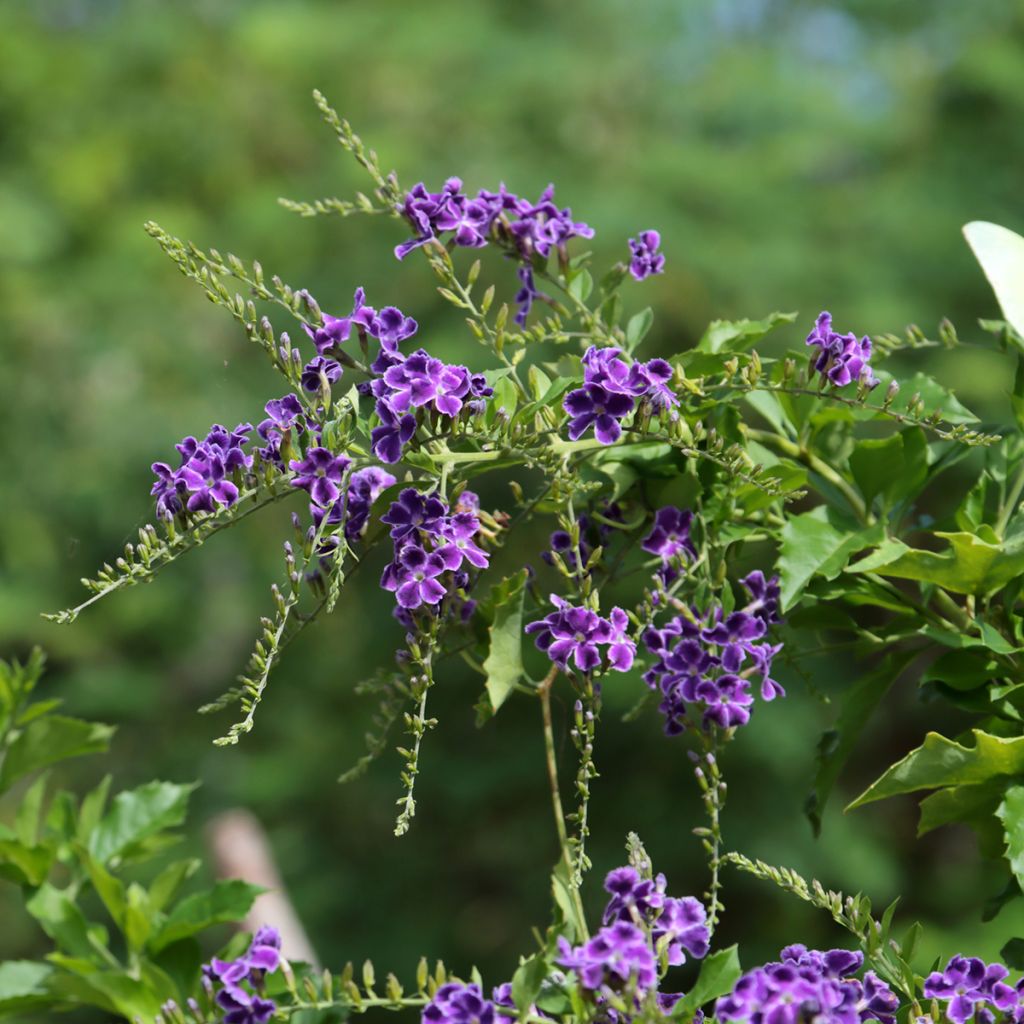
[[391, 327], [617, 958], [595, 406], [966, 985], [670, 536], [527, 294], [458, 533], [764, 596], [413, 512], [426, 211], [282, 414], [205, 477], [684, 923], [335, 329], [842, 358], [364, 487], [577, 633], [167, 490], [621, 649], [320, 473], [422, 379], [229, 445], [646, 260], [726, 701], [457, 1003], [412, 577], [392, 434], [318, 370], [631, 894]]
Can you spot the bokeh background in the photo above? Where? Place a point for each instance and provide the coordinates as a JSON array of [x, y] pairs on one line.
[[795, 154]]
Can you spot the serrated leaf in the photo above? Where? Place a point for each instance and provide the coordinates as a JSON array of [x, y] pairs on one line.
[[740, 335], [942, 762], [1011, 813], [816, 543]]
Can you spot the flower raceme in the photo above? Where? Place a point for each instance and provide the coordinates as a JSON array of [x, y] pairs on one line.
[[435, 549], [237, 986], [809, 984], [580, 634], [841, 358], [970, 988], [612, 390], [704, 661]]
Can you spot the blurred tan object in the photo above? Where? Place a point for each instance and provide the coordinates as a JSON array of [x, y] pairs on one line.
[[241, 850]]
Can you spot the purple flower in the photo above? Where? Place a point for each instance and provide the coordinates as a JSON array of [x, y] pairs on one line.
[[204, 476], [579, 634], [617, 958], [458, 533], [683, 922], [392, 434], [337, 329], [242, 1004], [282, 414], [670, 536], [764, 596], [457, 1003], [168, 491], [412, 577], [320, 473], [318, 370], [967, 986], [413, 512], [364, 487], [595, 406], [809, 984], [842, 358], [527, 294], [423, 380], [646, 260], [726, 701], [391, 327]]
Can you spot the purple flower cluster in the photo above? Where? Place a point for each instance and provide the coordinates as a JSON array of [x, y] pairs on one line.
[[458, 1003], [704, 663], [669, 539], [407, 384], [238, 984], [676, 924], [434, 549], [645, 259], [209, 473], [807, 984], [971, 988], [641, 924], [842, 358], [534, 228], [531, 230], [612, 390], [580, 633]]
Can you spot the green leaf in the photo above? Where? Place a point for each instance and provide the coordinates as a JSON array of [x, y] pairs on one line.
[[136, 815], [24, 983], [1011, 813], [740, 335], [970, 805], [167, 883], [942, 762], [224, 903], [718, 973], [30, 810], [138, 917], [817, 543], [1012, 954], [62, 921], [29, 863], [109, 889], [892, 468], [581, 285], [856, 707], [637, 328], [92, 810], [504, 662], [48, 740], [971, 565], [527, 982], [1000, 252]]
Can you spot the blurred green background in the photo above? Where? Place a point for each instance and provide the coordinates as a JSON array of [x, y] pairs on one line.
[[795, 155]]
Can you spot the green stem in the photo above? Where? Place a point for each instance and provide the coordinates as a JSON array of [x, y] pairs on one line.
[[544, 692], [1010, 504]]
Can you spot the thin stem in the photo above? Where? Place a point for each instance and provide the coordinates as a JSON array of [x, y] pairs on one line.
[[544, 692], [1010, 504]]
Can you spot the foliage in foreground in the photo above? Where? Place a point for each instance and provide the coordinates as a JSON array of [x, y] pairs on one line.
[[673, 487]]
